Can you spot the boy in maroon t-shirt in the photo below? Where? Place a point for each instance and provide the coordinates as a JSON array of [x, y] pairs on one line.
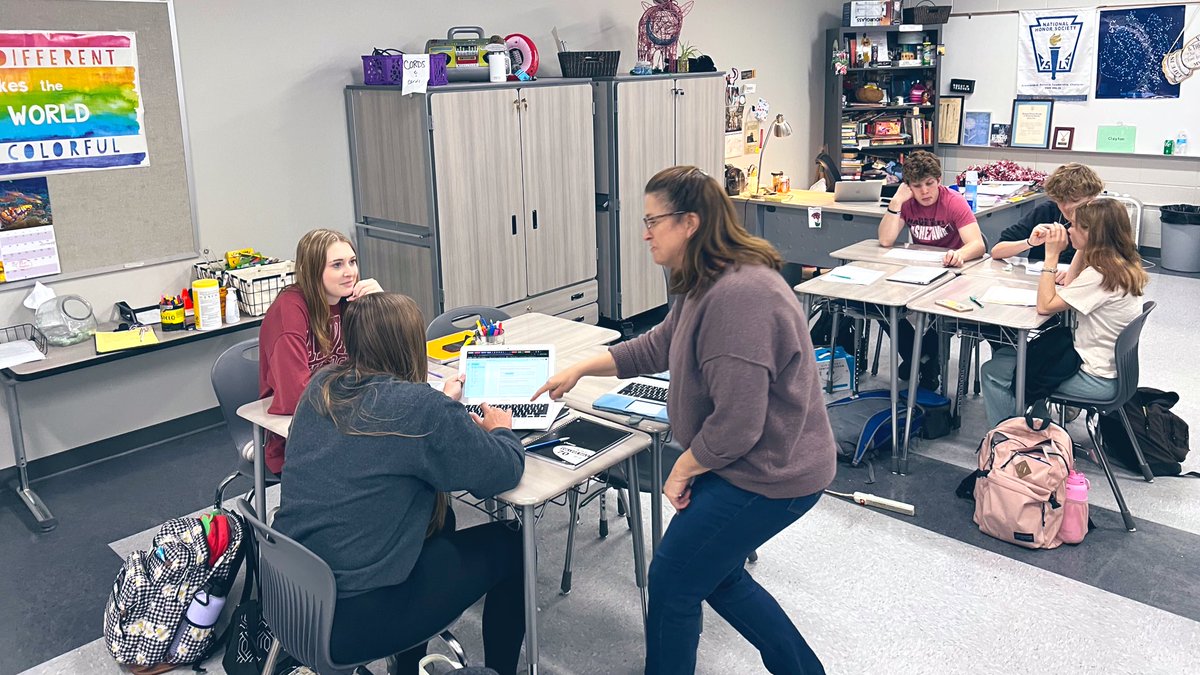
[[935, 216]]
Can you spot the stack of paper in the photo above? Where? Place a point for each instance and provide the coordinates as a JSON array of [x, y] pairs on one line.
[[19, 351], [849, 274], [1003, 295], [918, 275]]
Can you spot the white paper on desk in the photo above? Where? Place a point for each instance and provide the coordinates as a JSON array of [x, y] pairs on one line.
[[416, 74], [1001, 188], [1033, 267], [1002, 295], [918, 275], [19, 351], [849, 274], [914, 255]]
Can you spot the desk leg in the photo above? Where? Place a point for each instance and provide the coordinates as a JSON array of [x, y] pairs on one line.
[[833, 334], [894, 353], [45, 520], [915, 366], [639, 541], [1022, 351], [656, 471], [260, 476], [944, 354], [529, 548]]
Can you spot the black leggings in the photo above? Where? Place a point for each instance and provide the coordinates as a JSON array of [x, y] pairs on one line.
[[930, 347], [454, 570]]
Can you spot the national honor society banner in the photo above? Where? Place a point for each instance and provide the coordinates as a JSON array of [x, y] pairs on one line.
[[1055, 52], [69, 102]]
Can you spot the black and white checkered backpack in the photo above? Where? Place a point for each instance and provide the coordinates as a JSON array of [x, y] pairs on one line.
[[146, 619]]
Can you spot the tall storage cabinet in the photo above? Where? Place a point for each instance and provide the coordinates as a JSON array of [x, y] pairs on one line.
[[644, 125], [478, 194]]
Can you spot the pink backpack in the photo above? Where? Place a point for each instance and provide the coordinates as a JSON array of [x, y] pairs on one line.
[[1021, 485]]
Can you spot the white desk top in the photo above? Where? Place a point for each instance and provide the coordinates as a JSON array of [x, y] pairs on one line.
[[879, 292], [962, 288], [564, 334], [802, 199], [869, 250], [256, 413], [995, 269]]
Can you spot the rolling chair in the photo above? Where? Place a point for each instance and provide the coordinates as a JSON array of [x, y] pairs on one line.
[[461, 318], [1127, 383], [299, 595], [827, 168], [235, 382]]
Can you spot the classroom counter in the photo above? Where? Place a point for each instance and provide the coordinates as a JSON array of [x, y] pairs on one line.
[[786, 223]]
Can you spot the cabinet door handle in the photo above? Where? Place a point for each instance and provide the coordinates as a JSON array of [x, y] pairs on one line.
[[524, 104], [535, 219], [577, 296], [514, 225]]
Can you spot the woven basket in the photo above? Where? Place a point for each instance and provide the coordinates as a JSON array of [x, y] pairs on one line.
[[926, 13], [386, 68], [588, 64]]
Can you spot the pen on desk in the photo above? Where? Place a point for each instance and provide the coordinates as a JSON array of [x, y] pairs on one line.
[[838, 276], [552, 441], [980, 304], [433, 374]]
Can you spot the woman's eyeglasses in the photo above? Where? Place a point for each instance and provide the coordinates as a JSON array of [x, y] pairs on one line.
[[651, 221]]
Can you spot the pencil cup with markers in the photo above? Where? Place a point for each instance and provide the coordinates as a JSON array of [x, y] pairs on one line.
[[489, 332]]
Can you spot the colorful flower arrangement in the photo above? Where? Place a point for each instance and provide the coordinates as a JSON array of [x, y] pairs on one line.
[[1004, 170]]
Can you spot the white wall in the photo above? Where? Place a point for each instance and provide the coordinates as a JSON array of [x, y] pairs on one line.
[[263, 82]]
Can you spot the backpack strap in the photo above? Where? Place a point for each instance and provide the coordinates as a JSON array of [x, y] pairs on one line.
[[1030, 421]]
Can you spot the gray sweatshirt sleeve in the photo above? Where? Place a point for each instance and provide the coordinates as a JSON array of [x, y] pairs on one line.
[[465, 457], [647, 353]]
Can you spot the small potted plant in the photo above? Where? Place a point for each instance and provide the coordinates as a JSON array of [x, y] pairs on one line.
[[687, 52]]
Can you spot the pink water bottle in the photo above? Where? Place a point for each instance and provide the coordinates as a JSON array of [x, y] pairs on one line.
[[1075, 511]]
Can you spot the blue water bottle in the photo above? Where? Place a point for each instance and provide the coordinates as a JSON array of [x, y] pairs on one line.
[[972, 189]]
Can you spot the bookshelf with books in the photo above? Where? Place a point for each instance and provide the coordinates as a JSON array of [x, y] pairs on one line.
[[884, 104]]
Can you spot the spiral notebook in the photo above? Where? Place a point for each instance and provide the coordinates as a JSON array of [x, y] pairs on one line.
[[587, 440]]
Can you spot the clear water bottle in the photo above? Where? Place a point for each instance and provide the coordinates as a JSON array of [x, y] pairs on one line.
[[1075, 511], [972, 189], [1181, 143]]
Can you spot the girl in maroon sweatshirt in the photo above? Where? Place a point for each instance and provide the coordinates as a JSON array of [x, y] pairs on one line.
[[302, 330]]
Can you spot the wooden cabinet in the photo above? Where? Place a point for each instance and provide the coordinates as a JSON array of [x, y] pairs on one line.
[[644, 125], [486, 190]]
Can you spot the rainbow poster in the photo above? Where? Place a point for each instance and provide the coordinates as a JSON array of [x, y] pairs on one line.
[[69, 102]]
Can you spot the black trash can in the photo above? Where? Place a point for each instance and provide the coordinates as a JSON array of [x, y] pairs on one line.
[[1181, 237]]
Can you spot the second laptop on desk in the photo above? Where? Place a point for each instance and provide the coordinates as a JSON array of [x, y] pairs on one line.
[[642, 396]]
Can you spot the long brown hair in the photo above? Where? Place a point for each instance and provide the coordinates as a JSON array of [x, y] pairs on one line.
[[719, 241], [384, 335], [1110, 248], [311, 255]]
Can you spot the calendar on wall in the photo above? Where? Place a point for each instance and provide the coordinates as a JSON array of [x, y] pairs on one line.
[[27, 244]]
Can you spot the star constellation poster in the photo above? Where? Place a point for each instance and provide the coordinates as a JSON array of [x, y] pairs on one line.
[[1131, 47]]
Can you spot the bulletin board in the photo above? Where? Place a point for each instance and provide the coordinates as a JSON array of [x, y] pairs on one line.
[[984, 48], [124, 217]]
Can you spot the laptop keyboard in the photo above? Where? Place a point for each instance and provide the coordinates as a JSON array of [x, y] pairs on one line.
[[517, 409], [646, 391]]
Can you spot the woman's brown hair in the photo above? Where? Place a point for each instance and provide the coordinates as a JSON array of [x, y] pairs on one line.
[[384, 335], [311, 255], [719, 241], [1110, 248]]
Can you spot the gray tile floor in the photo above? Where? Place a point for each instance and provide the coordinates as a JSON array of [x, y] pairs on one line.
[[872, 592]]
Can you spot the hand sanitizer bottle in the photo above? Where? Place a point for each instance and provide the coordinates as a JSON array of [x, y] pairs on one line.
[[972, 189]]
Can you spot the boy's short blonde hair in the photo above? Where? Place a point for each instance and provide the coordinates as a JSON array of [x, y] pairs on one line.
[[1072, 183]]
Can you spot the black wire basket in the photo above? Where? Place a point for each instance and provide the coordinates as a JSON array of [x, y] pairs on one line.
[[24, 331], [589, 64]]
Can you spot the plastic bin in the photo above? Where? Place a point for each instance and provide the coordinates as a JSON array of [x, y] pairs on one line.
[[1181, 237]]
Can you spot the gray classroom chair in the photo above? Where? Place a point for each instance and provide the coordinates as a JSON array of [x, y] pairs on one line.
[[299, 595], [235, 382], [461, 318], [1127, 383]]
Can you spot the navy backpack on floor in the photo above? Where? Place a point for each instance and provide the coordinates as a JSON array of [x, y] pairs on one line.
[[862, 426]]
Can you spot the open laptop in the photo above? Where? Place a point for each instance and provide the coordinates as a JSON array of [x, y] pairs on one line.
[[644, 396], [506, 376], [857, 191]]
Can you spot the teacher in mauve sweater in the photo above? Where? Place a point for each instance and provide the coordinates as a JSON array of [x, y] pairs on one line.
[[745, 401]]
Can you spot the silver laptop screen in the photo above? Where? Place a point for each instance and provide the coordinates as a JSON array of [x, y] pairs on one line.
[[505, 374]]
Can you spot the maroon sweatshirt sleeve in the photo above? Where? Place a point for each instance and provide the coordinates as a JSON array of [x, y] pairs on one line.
[[284, 345]]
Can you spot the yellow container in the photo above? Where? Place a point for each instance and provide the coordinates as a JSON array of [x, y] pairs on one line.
[[206, 301]]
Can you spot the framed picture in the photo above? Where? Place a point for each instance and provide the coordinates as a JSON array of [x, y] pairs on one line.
[[1000, 134], [1031, 123], [1064, 138], [950, 119], [977, 127]]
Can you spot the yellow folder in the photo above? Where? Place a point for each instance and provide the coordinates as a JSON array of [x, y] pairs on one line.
[[445, 349], [125, 339]]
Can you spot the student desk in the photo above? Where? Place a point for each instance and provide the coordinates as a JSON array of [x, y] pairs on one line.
[[869, 250], [60, 360], [541, 482], [998, 269], [1008, 324], [884, 300], [785, 223]]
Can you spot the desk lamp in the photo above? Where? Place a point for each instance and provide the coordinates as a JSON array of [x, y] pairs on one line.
[[779, 127]]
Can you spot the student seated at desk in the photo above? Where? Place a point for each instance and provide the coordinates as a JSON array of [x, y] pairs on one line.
[[372, 453], [1105, 291], [935, 216], [302, 330], [1067, 187]]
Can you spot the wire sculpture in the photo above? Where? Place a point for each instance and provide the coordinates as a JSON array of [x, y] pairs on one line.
[[658, 32]]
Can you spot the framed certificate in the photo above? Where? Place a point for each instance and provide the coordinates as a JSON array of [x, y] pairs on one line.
[[1031, 123], [949, 121]]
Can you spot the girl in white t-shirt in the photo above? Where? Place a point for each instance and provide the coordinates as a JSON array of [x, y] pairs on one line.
[[1105, 292]]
